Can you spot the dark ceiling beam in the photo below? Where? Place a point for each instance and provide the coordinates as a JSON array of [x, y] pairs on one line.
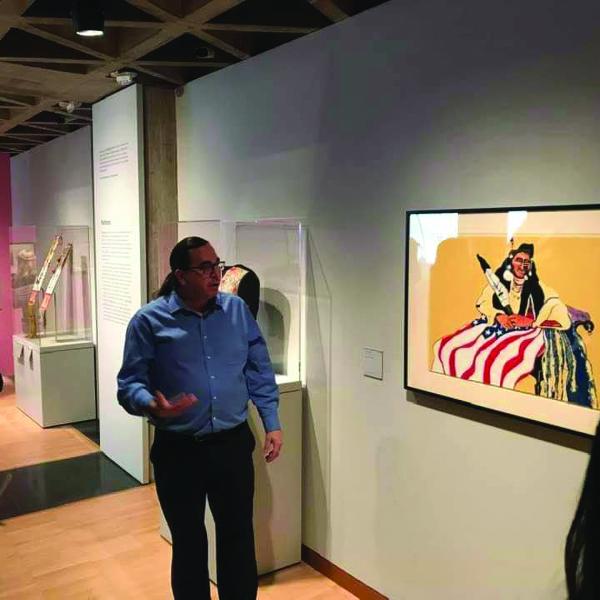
[[152, 9], [9, 11], [44, 128], [206, 10], [203, 11], [26, 114], [330, 9], [24, 138], [213, 40], [32, 134], [204, 64], [257, 28], [70, 115], [18, 100], [52, 61], [59, 39], [170, 78], [26, 123], [61, 22]]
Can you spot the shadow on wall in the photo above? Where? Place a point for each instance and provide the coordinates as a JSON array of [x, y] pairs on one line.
[[274, 319], [316, 465], [514, 424]]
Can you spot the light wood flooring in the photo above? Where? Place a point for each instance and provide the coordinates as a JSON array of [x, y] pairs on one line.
[[110, 548], [23, 442], [103, 548]]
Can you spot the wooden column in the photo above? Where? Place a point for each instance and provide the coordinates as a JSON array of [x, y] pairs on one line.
[[160, 150]]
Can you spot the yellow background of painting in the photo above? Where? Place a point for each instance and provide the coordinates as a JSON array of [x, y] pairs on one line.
[[570, 265]]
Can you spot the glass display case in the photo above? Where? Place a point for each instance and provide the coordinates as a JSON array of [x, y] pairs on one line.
[[50, 277], [273, 249]]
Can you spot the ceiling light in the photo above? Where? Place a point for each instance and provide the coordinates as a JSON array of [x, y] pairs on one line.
[[69, 106], [123, 78], [88, 18], [205, 52]]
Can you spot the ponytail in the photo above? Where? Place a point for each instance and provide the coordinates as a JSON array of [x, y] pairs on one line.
[[168, 285]]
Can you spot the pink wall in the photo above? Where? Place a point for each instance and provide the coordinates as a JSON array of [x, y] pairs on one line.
[[6, 362]]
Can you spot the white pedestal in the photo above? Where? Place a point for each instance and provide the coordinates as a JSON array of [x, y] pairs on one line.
[[54, 381], [278, 490]]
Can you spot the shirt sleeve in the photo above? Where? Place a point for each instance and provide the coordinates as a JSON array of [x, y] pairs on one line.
[[133, 380], [260, 377]]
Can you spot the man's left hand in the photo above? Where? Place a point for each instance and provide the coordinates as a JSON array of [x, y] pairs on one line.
[[273, 443]]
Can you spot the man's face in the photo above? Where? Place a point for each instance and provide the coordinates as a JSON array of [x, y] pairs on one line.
[[200, 281], [521, 264]]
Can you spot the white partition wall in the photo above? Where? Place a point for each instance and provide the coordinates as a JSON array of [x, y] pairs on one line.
[[121, 265], [408, 105]]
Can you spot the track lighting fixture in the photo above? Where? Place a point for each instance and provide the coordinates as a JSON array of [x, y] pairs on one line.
[[123, 78], [88, 18]]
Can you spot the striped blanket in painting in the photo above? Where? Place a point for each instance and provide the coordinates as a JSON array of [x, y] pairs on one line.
[[489, 354]]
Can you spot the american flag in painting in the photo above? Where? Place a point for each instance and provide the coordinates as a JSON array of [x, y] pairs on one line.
[[489, 354]]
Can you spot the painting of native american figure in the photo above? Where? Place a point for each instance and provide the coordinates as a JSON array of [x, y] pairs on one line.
[[501, 308], [523, 328]]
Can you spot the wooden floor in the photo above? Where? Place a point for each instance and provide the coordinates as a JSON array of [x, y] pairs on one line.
[[23, 442], [110, 548], [107, 547]]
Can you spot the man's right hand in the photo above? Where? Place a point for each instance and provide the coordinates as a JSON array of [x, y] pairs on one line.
[[161, 407]]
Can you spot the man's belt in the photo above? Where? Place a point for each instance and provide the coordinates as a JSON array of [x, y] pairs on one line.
[[215, 436]]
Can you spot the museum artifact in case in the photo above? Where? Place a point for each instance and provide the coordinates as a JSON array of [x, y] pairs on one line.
[[501, 308], [51, 283], [52, 346]]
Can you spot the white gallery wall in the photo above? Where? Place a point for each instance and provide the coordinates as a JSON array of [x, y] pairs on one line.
[[410, 105], [52, 183], [120, 236], [52, 186]]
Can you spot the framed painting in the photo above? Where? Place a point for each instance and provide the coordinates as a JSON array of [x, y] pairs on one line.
[[501, 308]]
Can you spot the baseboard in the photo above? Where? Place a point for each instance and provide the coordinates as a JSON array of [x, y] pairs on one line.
[[354, 586]]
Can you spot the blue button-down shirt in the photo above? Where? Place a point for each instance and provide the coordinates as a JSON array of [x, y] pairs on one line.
[[219, 356]]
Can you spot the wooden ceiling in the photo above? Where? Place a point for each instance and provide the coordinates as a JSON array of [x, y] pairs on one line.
[[45, 64]]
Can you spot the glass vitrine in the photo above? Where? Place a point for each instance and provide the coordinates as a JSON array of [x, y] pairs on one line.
[[274, 249], [51, 286]]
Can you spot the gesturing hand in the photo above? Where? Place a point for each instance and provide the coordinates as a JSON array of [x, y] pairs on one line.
[[161, 407], [273, 443]]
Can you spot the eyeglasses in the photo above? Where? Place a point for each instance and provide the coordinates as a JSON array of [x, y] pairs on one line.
[[206, 269]]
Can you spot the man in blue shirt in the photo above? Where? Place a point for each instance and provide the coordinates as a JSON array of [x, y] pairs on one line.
[[193, 358]]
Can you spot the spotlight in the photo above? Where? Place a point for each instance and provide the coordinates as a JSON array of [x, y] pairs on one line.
[[123, 78], [88, 18], [69, 105], [205, 52]]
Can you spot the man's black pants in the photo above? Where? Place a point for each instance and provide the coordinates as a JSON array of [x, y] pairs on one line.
[[219, 468]]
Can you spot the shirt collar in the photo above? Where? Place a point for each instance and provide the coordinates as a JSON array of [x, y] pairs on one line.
[[175, 303]]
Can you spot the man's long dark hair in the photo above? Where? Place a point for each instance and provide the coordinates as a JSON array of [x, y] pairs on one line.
[[531, 286], [179, 259], [582, 550]]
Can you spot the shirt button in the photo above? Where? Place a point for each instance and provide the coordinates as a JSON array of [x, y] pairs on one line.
[[208, 357], [212, 376], [214, 418], [214, 397], [205, 337]]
